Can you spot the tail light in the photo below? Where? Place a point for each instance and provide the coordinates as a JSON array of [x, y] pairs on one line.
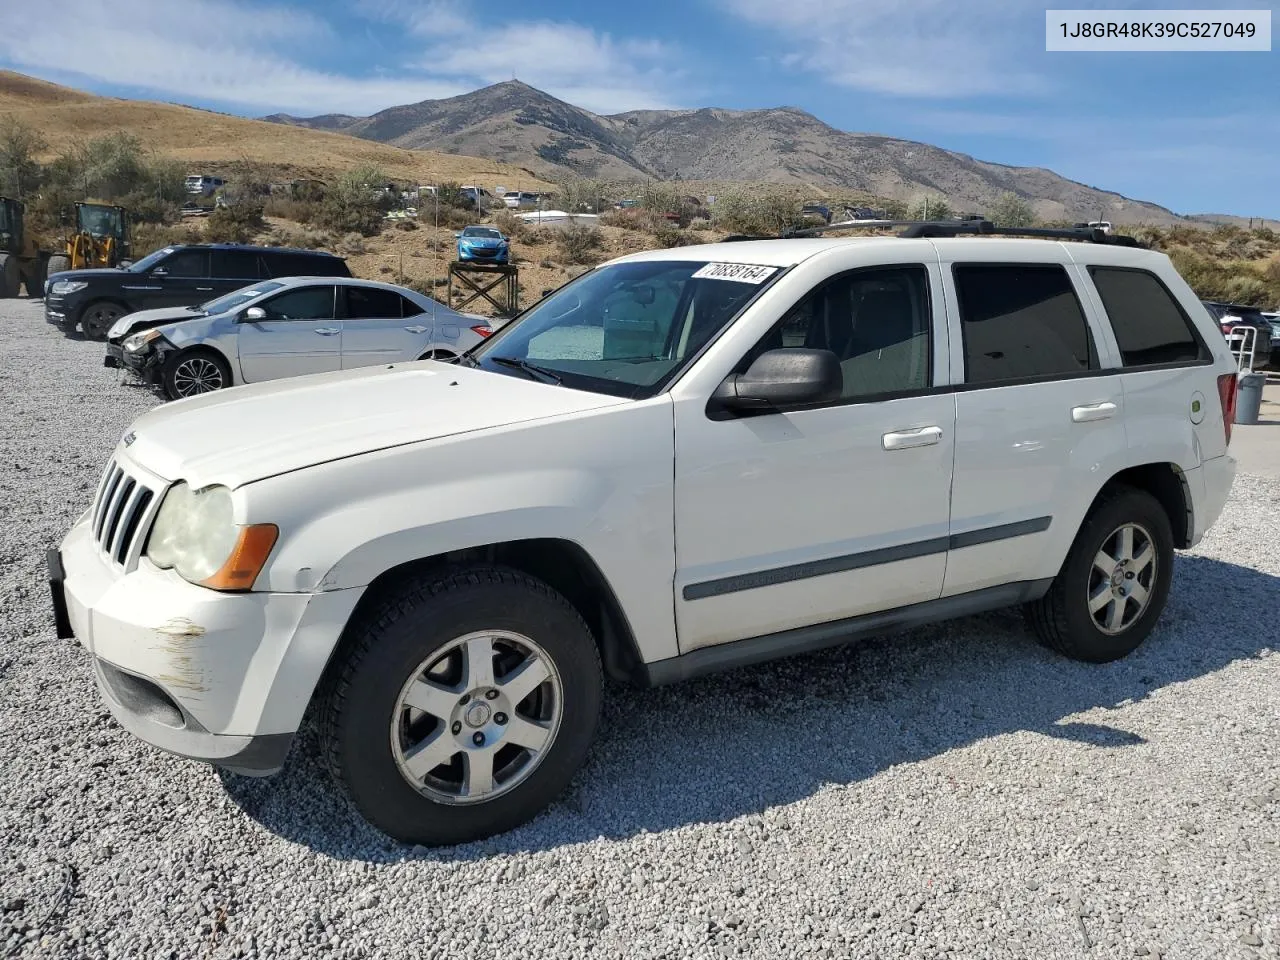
[[1227, 395], [1226, 327], [482, 329]]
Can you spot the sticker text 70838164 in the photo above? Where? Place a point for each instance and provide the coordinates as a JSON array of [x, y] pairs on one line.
[[739, 272]]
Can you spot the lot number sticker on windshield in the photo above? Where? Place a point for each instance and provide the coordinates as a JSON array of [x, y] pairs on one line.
[[738, 272]]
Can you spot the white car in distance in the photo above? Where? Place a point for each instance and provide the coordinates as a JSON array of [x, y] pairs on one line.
[[291, 327]]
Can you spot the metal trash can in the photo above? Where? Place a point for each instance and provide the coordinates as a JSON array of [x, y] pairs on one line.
[[1249, 397]]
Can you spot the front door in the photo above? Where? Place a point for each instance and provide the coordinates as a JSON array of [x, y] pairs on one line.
[[380, 326], [300, 334], [183, 279], [788, 519]]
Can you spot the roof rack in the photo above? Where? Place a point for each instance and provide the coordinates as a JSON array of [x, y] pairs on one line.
[[953, 228]]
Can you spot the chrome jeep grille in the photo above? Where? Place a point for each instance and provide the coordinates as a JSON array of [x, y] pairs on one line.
[[118, 511]]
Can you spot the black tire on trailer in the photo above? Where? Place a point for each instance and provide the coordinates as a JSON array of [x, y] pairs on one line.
[[193, 372], [10, 276], [461, 705], [96, 318], [1114, 583]]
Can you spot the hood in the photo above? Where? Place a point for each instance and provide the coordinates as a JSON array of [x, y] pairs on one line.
[[88, 274], [481, 241], [249, 433], [145, 319]]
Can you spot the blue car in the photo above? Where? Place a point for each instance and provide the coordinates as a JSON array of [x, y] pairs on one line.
[[483, 245]]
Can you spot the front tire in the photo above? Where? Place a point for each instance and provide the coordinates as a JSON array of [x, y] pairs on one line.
[[1114, 584], [463, 705], [194, 372], [96, 319]]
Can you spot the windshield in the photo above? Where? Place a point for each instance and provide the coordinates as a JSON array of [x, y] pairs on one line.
[[233, 301], [625, 329], [488, 232], [150, 260]]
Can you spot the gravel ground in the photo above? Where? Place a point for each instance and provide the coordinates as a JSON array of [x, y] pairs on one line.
[[951, 792]]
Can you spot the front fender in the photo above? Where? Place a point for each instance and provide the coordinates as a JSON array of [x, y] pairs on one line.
[[344, 523]]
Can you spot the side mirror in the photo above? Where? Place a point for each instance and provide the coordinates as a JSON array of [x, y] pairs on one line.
[[789, 377], [253, 315]]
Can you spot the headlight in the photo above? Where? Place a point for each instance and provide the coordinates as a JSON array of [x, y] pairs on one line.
[[195, 535], [64, 287], [139, 340]]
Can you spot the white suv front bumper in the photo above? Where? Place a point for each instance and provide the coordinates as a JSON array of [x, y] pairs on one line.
[[221, 677]]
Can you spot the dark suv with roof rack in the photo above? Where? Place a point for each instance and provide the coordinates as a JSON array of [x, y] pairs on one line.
[[174, 276]]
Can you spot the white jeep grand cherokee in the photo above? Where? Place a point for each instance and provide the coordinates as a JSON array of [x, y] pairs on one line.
[[683, 461]]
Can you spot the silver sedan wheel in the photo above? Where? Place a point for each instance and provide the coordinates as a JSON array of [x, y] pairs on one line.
[[1122, 577], [196, 375], [475, 719]]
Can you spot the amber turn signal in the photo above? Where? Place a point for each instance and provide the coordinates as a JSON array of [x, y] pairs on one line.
[[247, 558]]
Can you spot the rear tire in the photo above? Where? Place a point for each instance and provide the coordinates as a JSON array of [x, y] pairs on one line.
[[10, 276], [96, 319], [480, 756], [193, 372], [58, 263], [1114, 584]]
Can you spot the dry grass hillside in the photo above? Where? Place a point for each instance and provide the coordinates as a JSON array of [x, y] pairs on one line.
[[207, 140]]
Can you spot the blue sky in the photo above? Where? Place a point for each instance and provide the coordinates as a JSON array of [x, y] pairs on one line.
[[1198, 132]]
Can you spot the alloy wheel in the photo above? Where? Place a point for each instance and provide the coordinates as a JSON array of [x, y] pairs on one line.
[[475, 719], [1121, 578], [196, 375]]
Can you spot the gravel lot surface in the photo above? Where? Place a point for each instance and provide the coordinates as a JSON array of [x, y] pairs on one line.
[[951, 792]]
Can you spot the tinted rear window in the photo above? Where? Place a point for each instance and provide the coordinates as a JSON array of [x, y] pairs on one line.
[[1021, 321], [1150, 327], [235, 265], [304, 265], [373, 303]]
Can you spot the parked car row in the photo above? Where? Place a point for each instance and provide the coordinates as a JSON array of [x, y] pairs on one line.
[[1234, 319], [193, 318]]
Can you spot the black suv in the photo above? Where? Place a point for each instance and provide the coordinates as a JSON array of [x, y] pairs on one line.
[[176, 276]]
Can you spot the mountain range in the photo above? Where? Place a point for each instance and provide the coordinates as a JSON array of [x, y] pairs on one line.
[[517, 124]]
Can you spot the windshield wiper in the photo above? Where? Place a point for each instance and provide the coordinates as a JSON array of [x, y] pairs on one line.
[[532, 369]]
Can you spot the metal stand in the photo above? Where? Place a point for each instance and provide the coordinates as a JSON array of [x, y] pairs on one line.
[[480, 279]]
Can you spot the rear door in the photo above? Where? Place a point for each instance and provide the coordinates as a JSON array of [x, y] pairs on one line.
[[1038, 414], [183, 280], [301, 334], [381, 326], [232, 269]]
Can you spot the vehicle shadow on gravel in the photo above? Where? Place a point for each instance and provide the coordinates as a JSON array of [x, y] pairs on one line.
[[738, 743]]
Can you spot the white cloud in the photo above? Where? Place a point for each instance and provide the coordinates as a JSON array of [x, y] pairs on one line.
[[575, 63], [915, 48], [260, 57]]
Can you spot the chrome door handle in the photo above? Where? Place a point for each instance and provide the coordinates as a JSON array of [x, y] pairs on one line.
[[204, 289], [1093, 411], [328, 331], [906, 439], [416, 329]]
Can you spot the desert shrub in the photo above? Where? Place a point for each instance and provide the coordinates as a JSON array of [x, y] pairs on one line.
[[757, 212], [353, 205], [930, 208], [1267, 235], [1249, 289], [152, 236], [286, 208], [234, 223], [671, 235], [20, 172], [407, 226], [1011, 210], [1272, 272], [286, 235], [579, 244], [511, 225], [352, 243]]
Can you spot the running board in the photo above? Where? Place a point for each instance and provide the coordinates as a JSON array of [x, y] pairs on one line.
[[771, 646]]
